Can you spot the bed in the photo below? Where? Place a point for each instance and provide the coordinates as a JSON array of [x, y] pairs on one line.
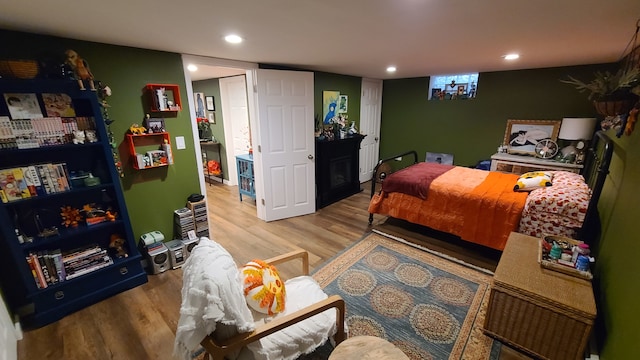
[[482, 207]]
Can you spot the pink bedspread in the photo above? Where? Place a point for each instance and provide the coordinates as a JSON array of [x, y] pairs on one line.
[[415, 179]]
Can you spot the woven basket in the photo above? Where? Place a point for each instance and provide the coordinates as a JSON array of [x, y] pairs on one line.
[[613, 107], [20, 69]]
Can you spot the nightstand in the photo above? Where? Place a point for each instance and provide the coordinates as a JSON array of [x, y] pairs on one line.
[[545, 313], [520, 164]]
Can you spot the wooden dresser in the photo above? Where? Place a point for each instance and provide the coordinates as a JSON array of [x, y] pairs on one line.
[[520, 164]]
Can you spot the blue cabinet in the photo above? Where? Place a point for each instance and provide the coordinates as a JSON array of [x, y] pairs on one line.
[[246, 180], [51, 267]]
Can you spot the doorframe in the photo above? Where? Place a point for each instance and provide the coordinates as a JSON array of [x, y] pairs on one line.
[[203, 60]]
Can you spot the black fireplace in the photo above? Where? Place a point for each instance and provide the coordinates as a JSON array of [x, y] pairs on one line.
[[337, 169]]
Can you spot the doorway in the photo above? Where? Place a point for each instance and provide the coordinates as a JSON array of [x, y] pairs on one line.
[[213, 68]]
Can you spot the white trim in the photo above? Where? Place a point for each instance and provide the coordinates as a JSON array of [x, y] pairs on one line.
[[439, 254], [196, 59]]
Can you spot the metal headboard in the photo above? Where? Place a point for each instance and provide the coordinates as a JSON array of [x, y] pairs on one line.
[[382, 175], [595, 171]]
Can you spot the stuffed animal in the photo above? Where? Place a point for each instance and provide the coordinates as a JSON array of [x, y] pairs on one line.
[[78, 136], [117, 243], [137, 129], [91, 136]]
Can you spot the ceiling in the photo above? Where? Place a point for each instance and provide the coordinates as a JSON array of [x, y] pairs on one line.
[[350, 37]]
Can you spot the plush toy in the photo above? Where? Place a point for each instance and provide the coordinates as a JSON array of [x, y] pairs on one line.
[[137, 129], [78, 136], [117, 243], [91, 136]]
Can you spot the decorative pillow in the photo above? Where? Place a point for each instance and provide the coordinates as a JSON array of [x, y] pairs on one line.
[[533, 180], [263, 289]]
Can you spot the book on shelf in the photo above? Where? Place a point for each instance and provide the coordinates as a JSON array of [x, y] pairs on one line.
[[58, 104], [7, 139], [13, 185], [85, 260], [36, 270], [56, 255], [23, 106], [89, 269], [81, 252], [33, 180], [38, 132], [48, 266], [24, 134]]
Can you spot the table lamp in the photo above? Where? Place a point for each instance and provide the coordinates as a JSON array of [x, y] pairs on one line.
[[575, 132]]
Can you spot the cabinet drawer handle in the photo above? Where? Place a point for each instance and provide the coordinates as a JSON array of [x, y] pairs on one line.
[[59, 295], [124, 271]]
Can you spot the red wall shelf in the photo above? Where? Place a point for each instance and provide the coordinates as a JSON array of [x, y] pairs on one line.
[[170, 102], [145, 144]]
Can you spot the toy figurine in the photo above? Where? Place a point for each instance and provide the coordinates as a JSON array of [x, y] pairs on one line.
[[137, 129], [79, 136], [117, 243], [80, 69]]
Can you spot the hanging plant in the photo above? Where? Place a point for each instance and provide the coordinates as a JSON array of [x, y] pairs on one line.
[[614, 93]]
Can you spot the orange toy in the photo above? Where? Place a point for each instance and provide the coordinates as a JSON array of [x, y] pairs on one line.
[[213, 167]]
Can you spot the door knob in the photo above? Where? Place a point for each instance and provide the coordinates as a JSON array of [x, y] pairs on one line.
[[310, 157], [376, 138]]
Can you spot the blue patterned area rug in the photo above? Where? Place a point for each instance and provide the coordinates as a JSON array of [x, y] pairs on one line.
[[428, 306]]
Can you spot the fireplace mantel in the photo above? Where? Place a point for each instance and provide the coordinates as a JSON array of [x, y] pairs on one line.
[[337, 169]]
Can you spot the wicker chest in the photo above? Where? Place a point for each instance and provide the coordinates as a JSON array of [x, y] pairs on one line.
[[542, 312]]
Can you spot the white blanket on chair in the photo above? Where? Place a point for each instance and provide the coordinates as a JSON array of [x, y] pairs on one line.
[[211, 293]]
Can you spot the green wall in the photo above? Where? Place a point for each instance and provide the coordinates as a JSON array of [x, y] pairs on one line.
[[473, 129], [618, 289], [153, 194], [346, 85]]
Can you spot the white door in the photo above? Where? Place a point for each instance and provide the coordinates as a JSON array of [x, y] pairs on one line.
[[282, 126], [370, 113], [8, 335], [233, 97]]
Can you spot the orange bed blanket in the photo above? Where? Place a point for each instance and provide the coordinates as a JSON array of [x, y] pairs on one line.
[[477, 205]]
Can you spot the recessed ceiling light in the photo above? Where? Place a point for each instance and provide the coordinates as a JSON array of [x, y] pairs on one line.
[[511, 56], [233, 39], [192, 67], [391, 69]]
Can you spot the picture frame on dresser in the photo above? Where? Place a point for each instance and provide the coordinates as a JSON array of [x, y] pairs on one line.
[[521, 136]]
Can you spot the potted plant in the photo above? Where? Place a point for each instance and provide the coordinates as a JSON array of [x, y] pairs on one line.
[[204, 129], [612, 93]]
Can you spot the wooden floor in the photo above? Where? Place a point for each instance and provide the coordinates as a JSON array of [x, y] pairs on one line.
[[140, 323]]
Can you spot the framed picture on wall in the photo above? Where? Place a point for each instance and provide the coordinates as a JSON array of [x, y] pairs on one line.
[[343, 104], [329, 105], [155, 125], [199, 99], [212, 118], [521, 136], [211, 104]]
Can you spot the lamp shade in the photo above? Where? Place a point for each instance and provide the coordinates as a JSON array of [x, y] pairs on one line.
[[577, 128]]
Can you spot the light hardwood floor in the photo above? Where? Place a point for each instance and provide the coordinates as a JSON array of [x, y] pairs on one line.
[[140, 323]]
